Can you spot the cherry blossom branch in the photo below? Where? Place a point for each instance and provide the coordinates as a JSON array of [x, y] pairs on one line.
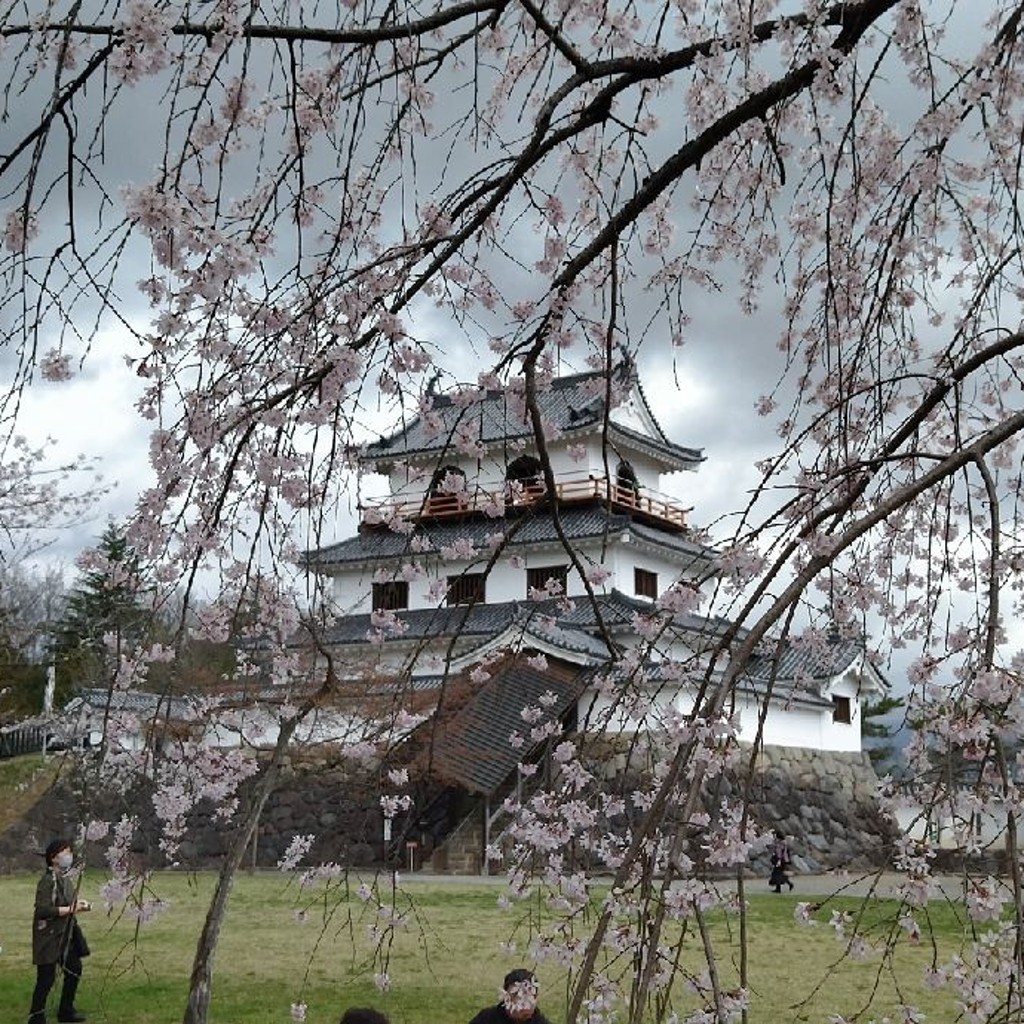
[[385, 33]]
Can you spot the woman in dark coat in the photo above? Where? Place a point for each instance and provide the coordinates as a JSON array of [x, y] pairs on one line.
[[57, 939]]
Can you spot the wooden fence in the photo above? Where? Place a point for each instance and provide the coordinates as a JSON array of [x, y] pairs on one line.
[[26, 739]]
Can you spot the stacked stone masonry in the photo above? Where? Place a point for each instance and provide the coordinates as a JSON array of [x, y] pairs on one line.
[[824, 801]]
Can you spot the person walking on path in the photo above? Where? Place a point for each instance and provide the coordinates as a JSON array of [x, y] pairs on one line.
[[57, 939], [781, 861]]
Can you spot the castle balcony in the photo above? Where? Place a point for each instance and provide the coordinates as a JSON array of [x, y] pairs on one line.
[[508, 498]]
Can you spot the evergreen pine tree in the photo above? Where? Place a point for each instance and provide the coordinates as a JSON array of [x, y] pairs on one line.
[[105, 607], [873, 727]]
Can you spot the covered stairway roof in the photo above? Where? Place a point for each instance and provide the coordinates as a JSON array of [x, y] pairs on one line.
[[470, 743]]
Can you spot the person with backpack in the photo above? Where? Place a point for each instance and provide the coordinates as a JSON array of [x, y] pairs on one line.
[[781, 861]]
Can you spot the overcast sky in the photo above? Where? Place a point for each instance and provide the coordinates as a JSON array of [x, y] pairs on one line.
[[705, 399]]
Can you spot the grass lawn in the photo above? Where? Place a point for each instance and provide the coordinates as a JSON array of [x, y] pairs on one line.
[[445, 965]]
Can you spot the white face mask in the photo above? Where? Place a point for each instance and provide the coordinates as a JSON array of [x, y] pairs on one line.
[[64, 859]]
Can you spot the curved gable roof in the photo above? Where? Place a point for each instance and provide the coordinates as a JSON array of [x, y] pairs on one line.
[[572, 404], [578, 523]]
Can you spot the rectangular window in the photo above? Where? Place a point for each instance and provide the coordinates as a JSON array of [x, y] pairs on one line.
[[645, 583], [842, 710], [467, 588], [537, 579], [390, 596]]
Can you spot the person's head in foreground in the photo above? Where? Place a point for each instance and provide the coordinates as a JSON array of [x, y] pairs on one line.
[[59, 854], [520, 995], [363, 1015]]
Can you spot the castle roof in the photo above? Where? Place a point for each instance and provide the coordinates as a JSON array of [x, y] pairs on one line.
[[575, 630], [134, 702], [473, 748], [797, 659], [797, 671], [579, 523], [569, 405]]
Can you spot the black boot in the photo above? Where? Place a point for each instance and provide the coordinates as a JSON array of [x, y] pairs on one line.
[[66, 1012]]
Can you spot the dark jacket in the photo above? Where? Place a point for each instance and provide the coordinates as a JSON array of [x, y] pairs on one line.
[[497, 1015], [51, 933]]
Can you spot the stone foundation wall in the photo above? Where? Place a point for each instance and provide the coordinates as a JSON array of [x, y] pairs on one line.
[[824, 801], [828, 803], [316, 795]]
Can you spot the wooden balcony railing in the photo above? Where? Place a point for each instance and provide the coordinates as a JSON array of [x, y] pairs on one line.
[[504, 497]]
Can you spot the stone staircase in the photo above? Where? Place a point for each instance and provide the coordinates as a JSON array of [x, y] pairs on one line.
[[462, 852]]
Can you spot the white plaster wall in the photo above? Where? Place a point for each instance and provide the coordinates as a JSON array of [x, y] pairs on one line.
[[645, 468], [260, 728], [628, 415], [599, 711], [629, 555], [388, 661], [410, 482], [802, 726], [785, 727], [351, 587], [951, 828]]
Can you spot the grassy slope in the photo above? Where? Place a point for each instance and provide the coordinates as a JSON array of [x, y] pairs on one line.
[[23, 780]]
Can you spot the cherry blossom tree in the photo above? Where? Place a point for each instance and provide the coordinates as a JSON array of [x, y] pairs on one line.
[[40, 501], [39, 497], [31, 601], [312, 189]]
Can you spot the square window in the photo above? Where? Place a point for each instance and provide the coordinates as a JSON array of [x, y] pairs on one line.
[[842, 710], [645, 583], [390, 596], [469, 588], [537, 579]]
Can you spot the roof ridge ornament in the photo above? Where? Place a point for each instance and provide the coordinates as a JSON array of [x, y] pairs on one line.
[[625, 369]]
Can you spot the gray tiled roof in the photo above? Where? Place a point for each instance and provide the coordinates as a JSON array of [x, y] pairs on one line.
[[136, 702], [473, 748], [479, 621], [618, 610], [425, 623], [379, 543], [576, 628], [566, 403], [802, 663]]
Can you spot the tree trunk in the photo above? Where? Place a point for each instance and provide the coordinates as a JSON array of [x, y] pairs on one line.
[[198, 1008]]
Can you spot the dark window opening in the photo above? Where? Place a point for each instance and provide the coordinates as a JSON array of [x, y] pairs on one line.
[[626, 483], [570, 720], [526, 471], [645, 583], [468, 588], [842, 710], [390, 596], [439, 478], [441, 502], [536, 579]]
